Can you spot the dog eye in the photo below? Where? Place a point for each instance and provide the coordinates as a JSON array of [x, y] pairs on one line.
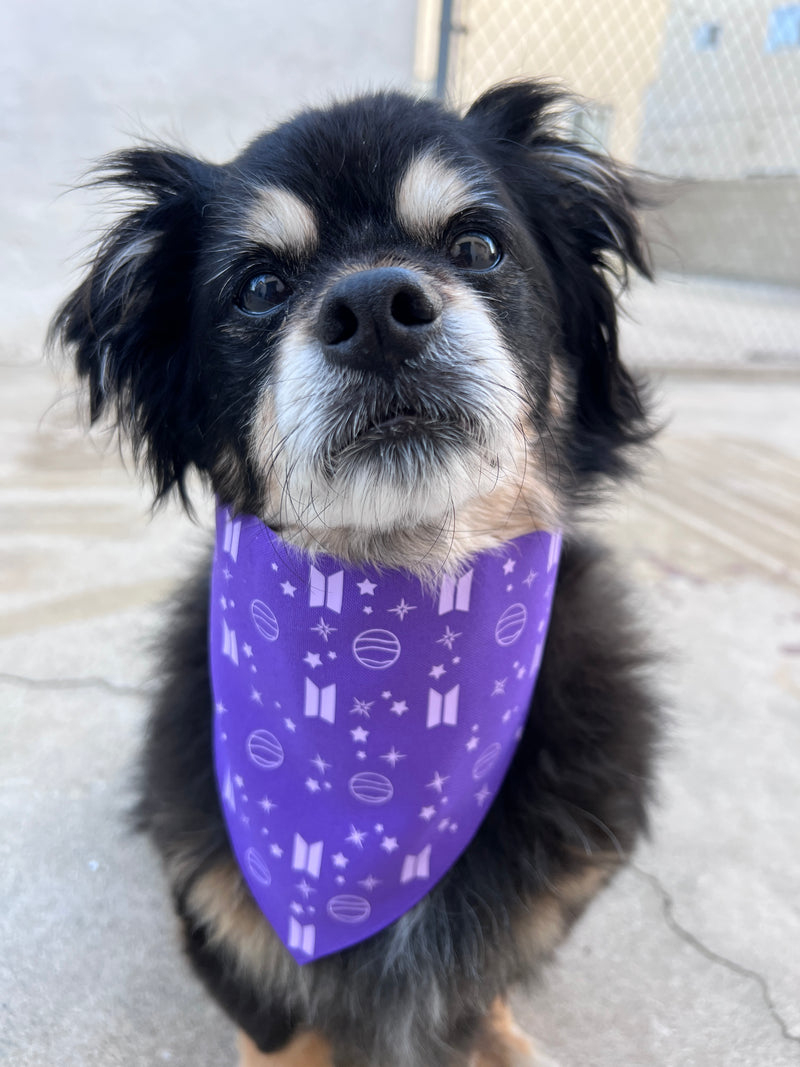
[[262, 293], [474, 251]]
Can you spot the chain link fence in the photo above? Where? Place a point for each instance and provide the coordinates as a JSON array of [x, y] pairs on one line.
[[706, 92]]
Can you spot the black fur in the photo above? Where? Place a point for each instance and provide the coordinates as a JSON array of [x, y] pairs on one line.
[[153, 332]]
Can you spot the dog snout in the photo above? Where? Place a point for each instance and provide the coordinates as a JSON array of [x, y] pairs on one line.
[[376, 320]]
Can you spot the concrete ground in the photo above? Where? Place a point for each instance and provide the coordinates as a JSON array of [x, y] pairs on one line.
[[690, 959]]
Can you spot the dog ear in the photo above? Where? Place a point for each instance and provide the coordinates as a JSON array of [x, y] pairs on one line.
[[581, 208], [127, 323]]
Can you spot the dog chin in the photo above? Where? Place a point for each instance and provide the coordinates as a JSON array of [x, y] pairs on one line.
[[379, 485]]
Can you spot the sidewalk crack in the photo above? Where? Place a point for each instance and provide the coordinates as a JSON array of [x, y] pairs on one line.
[[73, 683], [668, 911]]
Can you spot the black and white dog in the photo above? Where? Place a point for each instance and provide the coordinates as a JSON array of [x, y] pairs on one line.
[[389, 332]]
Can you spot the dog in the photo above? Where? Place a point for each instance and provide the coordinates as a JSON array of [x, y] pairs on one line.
[[387, 332]]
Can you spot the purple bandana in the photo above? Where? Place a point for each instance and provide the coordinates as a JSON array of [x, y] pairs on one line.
[[363, 723]]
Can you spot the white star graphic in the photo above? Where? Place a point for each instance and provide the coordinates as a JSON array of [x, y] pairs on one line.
[[399, 707], [509, 587], [331, 655], [359, 735], [298, 909], [389, 844], [361, 707], [427, 813], [443, 825], [370, 882], [367, 588], [506, 716], [437, 672], [472, 744], [361, 754], [499, 686], [248, 651], [483, 796], [288, 588], [532, 576], [367, 610], [402, 609], [378, 827], [323, 629], [312, 659], [312, 785], [509, 566], [255, 696], [290, 725], [356, 837], [223, 603], [267, 804], [238, 780], [227, 574], [340, 860], [437, 782], [274, 566], [386, 694], [321, 764], [276, 850], [339, 880], [220, 708], [392, 756], [447, 638], [305, 888]]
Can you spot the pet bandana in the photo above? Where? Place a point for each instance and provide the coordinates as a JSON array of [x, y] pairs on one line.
[[363, 721]]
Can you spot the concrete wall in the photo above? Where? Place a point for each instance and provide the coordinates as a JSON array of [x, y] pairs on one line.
[[736, 229], [79, 79]]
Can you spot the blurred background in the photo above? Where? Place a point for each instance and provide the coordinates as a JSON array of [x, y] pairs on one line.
[[693, 958]]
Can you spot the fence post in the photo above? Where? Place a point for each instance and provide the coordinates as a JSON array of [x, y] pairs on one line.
[[445, 31]]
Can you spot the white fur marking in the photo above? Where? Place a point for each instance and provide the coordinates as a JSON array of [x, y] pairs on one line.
[[282, 221], [430, 192]]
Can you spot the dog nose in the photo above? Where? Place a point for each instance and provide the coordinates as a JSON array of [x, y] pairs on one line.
[[376, 320]]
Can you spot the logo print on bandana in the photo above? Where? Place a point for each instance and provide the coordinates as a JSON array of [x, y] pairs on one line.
[[355, 765]]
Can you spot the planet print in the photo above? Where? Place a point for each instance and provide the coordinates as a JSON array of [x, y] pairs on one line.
[[265, 750], [264, 620], [348, 908], [371, 788], [486, 760], [376, 649], [257, 867], [510, 624]]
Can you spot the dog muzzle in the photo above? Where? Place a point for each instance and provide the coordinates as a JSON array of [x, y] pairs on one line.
[[364, 720]]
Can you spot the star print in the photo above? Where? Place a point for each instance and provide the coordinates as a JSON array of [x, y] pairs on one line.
[[402, 609], [312, 659], [276, 850], [305, 888], [296, 908], [427, 813], [521, 673], [340, 860], [447, 638], [378, 827], [323, 629], [437, 782], [248, 651], [274, 566], [386, 694], [389, 844], [499, 687], [399, 707], [327, 785], [443, 825], [472, 744], [361, 754], [367, 588], [541, 626], [238, 780], [359, 734], [339, 880], [506, 716], [267, 804], [320, 763], [288, 589], [227, 574], [370, 882], [361, 707], [220, 708], [532, 576], [246, 820], [509, 587], [367, 610], [356, 837], [312, 785], [255, 696], [392, 756], [331, 655], [509, 566], [483, 796], [437, 672], [290, 725], [223, 603]]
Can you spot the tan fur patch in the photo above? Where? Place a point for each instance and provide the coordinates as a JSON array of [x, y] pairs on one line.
[[281, 220], [429, 194], [306, 1050], [502, 1043]]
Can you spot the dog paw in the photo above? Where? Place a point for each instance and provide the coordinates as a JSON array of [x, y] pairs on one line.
[[504, 1044]]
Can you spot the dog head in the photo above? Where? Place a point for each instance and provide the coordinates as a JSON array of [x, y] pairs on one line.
[[387, 330]]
